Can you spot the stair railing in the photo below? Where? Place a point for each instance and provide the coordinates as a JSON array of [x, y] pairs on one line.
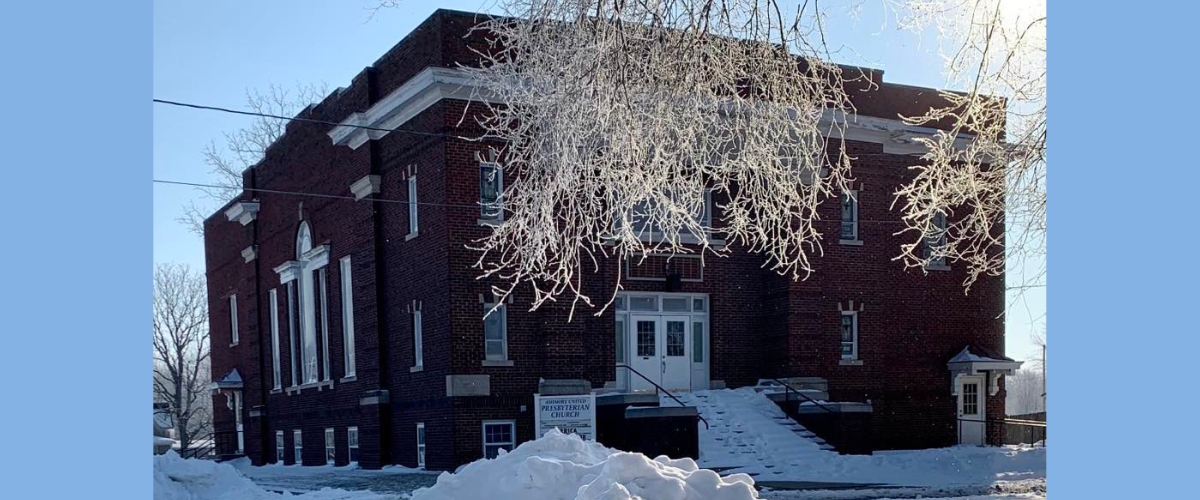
[[788, 390], [658, 389]]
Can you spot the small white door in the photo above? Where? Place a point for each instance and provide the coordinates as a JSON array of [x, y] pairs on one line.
[[676, 366], [644, 352], [971, 411]]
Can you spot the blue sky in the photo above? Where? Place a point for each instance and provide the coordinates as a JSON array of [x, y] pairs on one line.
[[211, 52]]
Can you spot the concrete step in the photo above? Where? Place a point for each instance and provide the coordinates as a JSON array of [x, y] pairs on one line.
[[781, 396]]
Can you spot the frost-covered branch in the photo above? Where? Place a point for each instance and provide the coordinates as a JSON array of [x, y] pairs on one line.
[[621, 119], [996, 187]]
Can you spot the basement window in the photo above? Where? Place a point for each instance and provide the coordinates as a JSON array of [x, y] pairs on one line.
[[352, 444], [498, 435]]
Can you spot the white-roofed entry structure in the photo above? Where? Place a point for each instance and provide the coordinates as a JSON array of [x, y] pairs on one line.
[[974, 374], [231, 387]]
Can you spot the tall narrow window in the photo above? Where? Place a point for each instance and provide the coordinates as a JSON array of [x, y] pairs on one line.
[[279, 447], [491, 187], [849, 335], [418, 342], [347, 315], [697, 342], [498, 435], [412, 206], [307, 307], [330, 447], [276, 370], [323, 292], [420, 445], [293, 333], [850, 216], [352, 444], [495, 333], [936, 242], [233, 326], [297, 447]]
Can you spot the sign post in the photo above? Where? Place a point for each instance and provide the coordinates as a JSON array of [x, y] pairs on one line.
[[574, 414]]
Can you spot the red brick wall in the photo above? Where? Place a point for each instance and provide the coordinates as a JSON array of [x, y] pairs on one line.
[[761, 324]]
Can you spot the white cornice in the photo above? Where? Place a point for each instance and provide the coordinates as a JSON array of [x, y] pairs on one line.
[[414, 96], [434, 84], [288, 271], [242, 211]]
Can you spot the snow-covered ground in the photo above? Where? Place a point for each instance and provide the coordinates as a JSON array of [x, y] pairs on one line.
[[391, 479], [555, 467], [177, 478], [746, 433]]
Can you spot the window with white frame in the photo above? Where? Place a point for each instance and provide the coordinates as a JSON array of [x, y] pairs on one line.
[[330, 447], [293, 332], [849, 216], [297, 447], [491, 188], [936, 241], [495, 333], [347, 316], [849, 335], [323, 293], [278, 447], [420, 445], [498, 435], [307, 309], [418, 340], [412, 206], [352, 444], [276, 370], [233, 324]]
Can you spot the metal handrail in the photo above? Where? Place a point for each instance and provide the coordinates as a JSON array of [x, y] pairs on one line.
[[658, 388], [789, 389]]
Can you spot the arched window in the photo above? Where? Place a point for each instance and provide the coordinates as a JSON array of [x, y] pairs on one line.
[[303, 241], [307, 307]]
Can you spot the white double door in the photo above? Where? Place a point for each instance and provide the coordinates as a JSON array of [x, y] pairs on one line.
[[659, 351]]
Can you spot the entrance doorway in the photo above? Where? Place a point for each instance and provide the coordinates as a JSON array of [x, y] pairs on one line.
[[664, 337], [971, 410]]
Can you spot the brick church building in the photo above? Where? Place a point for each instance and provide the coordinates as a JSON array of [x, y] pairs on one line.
[[350, 328]]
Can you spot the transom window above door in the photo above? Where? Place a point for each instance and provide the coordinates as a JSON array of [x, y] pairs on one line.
[[674, 303]]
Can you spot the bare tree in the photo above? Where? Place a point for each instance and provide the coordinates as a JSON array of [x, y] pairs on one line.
[[1024, 392], [619, 117], [245, 146], [181, 349]]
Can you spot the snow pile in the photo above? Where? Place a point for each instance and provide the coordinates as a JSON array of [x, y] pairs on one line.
[[559, 466], [176, 478]]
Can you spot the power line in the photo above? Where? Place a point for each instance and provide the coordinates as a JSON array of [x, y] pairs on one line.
[[380, 129], [381, 200], [314, 195], [309, 120]]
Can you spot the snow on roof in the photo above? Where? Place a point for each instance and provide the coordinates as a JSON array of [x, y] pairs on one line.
[[972, 353]]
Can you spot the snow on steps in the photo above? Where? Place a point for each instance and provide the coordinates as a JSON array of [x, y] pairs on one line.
[[749, 433]]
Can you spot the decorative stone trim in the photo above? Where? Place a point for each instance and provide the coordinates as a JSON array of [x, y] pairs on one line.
[[250, 253], [243, 211], [365, 187]]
